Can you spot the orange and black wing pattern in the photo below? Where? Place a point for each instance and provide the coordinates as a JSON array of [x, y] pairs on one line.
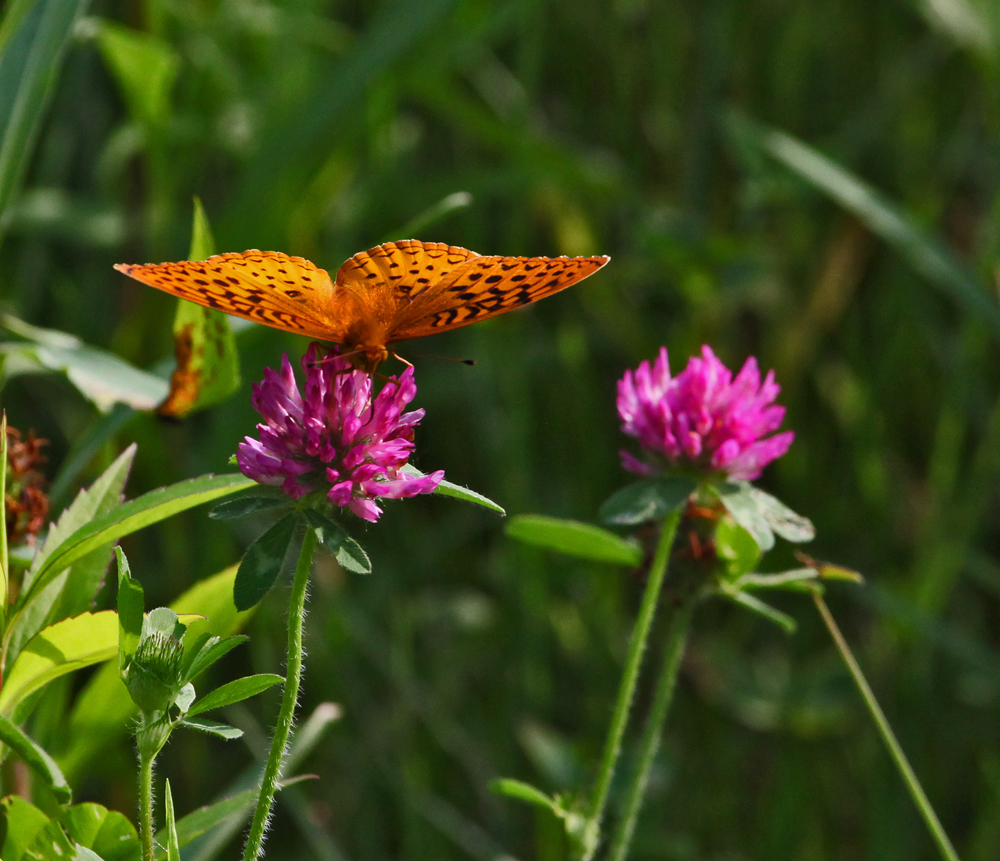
[[484, 287], [268, 287]]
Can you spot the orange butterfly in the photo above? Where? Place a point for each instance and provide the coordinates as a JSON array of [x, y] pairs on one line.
[[389, 293]]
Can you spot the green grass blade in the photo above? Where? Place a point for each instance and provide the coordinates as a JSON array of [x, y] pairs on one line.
[[925, 253], [132, 516], [36, 758], [29, 68]]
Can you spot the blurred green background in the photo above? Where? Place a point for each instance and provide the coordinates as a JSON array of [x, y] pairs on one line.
[[815, 183]]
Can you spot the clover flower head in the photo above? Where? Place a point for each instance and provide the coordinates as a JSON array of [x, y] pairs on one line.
[[335, 437], [702, 421], [26, 506]]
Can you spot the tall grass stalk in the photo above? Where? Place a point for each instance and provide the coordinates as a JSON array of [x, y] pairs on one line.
[[888, 736]]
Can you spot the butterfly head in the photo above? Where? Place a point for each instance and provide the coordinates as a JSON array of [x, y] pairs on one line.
[[366, 357]]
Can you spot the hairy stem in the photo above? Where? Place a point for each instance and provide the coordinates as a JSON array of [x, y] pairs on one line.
[[146, 804], [680, 624], [888, 736], [293, 674], [626, 690]]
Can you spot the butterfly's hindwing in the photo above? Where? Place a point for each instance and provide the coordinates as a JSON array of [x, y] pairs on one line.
[[408, 267]]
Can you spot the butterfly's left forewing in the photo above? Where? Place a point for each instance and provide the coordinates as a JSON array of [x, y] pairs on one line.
[[487, 286], [268, 287]]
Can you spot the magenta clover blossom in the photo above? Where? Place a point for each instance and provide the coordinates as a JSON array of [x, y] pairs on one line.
[[702, 421], [335, 438]]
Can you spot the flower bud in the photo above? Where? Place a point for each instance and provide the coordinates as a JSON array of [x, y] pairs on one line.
[[153, 677]]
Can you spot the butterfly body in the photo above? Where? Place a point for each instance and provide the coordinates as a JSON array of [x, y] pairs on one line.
[[390, 293]]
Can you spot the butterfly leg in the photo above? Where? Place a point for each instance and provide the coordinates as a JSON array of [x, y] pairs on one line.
[[331, 356], [398, 357]]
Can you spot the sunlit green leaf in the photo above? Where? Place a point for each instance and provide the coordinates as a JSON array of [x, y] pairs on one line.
[[456, 491], [51, 843], [211, 727], [234, 692], [63, 594], [574, 539], [107, 832], [22, 822], [61, 648], [100, 376]]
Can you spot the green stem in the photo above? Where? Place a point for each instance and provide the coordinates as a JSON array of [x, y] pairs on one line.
[[626, 691], [902, 764], [272, 771], [146, 805], [680, 624]]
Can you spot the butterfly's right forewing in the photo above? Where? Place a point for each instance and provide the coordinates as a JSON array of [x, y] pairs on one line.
[[487, 286]]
